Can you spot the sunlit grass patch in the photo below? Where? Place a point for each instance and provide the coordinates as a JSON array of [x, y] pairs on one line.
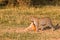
[[19, 16]]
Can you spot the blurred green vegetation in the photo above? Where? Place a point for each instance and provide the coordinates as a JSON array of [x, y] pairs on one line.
[[35, 3]]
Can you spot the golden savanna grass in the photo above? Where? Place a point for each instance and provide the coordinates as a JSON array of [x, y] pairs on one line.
[[14, 20]]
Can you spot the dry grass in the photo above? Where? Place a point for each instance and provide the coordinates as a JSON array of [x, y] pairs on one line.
[[14, 20]]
